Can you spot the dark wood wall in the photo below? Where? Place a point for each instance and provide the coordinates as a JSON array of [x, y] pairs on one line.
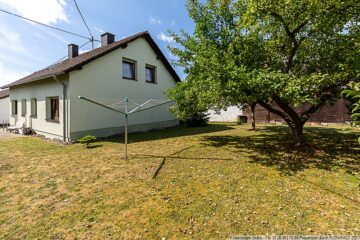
[[336, 113]]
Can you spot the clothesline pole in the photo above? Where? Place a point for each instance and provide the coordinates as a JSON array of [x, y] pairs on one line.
[[126, 126]]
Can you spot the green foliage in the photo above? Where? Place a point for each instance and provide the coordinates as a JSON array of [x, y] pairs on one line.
[[199, 119], [353, 94], [241, 120], [87, 140], [292, 52], [188, 108]]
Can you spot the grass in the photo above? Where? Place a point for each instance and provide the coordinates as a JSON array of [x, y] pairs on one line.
[[182, 183]]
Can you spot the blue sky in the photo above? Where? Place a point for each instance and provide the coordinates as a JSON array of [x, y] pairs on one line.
[[26, 47]]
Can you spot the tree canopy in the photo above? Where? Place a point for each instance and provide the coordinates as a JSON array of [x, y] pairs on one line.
[[279, 54], [353, 94]]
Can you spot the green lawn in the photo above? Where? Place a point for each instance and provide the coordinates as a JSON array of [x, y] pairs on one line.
[[182, 183]]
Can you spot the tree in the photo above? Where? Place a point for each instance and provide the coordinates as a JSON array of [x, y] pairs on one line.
[[278, 54], [353, 94], [87, 140]]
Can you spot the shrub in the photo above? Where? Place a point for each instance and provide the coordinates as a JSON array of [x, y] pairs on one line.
[[87, 140], [353, 94], [241, 119], [199, 119], [186, 106]]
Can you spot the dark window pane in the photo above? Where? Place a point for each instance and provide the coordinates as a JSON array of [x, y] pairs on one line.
[[150, 74], [14, 107], [129, 70], [34, 107], [54, 104]]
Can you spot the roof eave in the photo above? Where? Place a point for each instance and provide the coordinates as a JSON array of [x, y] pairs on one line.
[[14, 84]]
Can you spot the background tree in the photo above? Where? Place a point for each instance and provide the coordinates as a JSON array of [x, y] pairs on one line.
[[280, 54], [353, 94]]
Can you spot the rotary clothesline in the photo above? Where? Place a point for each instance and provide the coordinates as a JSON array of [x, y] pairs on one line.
[[126, 107]]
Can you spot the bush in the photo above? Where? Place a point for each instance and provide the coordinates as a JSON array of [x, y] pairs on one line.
[[197, 120], [87, 140], [186, 106], [241, 119]]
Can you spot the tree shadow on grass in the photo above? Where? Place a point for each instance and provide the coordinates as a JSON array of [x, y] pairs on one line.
[[93, 146], [327, 148], [179, 131]]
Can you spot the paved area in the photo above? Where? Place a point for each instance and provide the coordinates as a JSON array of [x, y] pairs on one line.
[[6, 135]]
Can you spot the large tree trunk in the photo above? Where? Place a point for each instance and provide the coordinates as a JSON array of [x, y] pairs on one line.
[[294, 120], [253, 120], [298, 135]]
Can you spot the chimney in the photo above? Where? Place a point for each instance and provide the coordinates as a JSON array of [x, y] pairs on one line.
[[73, 51], [107, 38]]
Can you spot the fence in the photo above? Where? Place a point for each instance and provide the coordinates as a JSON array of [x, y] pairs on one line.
[[330, 113]]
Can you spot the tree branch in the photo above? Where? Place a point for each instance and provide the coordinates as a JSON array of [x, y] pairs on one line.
[[281, 19], [292, 35], [288, 110], [307, 113], [298, 28], [277, 112]]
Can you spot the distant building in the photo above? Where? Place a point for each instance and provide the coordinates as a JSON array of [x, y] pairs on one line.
[[228, 115], [4, 106]]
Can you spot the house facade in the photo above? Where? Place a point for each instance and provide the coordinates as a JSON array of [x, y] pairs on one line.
[[48, 101], [4, 106]]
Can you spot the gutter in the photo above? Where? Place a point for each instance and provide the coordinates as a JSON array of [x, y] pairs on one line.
[[64, 106]]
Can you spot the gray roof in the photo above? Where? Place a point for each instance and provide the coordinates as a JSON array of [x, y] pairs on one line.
[[4, 93], [69, 65]]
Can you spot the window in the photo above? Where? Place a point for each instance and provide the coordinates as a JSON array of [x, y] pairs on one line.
[[33, 107], [150, 74], [129, 69], [14, 107], [52, 112], [23, 107]]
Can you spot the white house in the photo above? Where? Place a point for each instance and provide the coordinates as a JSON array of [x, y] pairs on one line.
[[229, 115], [47, 101], [4, 106]]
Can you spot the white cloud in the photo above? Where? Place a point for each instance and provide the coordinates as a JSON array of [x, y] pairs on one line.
[[155, 21], [163, 37], [83, 51], [53, 34], [99, 29], [12, 46], [10, 39], [45, 11], [8, 75]]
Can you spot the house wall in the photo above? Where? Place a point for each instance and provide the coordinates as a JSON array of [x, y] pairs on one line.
[[102, 79], [4, 110], [228, 115], [39, 90]]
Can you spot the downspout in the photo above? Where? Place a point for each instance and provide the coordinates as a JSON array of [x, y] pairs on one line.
[[64, 106]]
